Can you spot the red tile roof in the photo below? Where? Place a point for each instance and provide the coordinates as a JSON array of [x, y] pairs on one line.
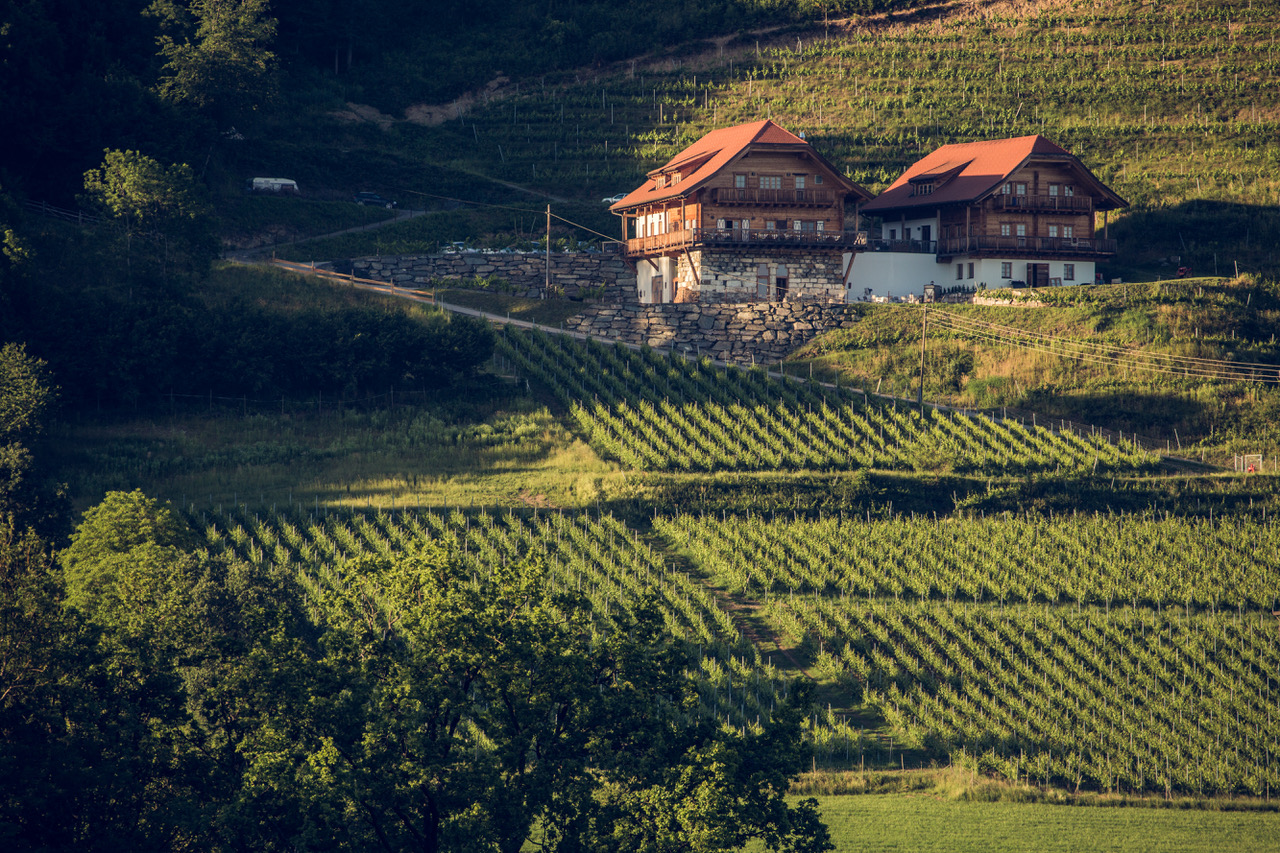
[[716, 150], [978, 169]]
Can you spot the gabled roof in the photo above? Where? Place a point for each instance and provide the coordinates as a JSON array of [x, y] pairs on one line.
[[705, 158], [967, 172]]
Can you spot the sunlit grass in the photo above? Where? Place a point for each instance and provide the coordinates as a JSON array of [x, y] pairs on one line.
[[516, 455]]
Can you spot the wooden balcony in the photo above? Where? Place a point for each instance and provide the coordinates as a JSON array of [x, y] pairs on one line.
[[743, 196], [1065, 247], [744, 238], [1042, 203], [918, 247]]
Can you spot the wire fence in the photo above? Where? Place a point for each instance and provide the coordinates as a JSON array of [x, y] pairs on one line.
[[43, 208]]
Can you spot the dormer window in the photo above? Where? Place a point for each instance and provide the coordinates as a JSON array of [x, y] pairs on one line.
[[675, 179], [660, 182], [924, 189]]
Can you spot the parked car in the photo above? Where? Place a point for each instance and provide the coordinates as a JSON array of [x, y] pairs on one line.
[[614, 199], [374, 200]]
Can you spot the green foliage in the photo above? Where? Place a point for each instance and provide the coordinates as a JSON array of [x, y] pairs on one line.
[[155, 203], [467, 694], [27, 395], [127, 566], [216, 56]]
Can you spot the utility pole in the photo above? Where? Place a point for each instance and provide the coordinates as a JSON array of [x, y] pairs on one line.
[[924, 326], [547, 289]]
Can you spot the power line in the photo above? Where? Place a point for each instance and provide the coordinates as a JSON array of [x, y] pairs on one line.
[[1025, 333], [1109, 355], [509, 207]]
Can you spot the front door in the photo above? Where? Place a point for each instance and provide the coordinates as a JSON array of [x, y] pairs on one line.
[[1038, 275]]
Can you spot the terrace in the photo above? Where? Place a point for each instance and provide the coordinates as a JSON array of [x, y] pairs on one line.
[[744, 238], [1075, 247]]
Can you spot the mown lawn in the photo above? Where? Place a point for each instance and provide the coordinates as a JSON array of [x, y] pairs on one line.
[[922, 824]]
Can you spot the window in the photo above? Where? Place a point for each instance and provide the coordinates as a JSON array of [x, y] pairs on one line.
[[746, 225], [770, 225], [770, 182], [1069, 231], [795, 226], [821, 225], [762, 281], [1006, 189], [1004, 229], [721, 224], [675, 179], [1022, 230], [959, 272], [1053, 190], [817, 180], [807, 225], [924, 189], [971, 270], [1006, 269], [740, 181], [1053, 230], [661, 181], [1068, 272], [799, 182], [893, 233], [1068, 190], [1019, 189]]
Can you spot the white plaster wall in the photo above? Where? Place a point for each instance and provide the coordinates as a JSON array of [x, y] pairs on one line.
[[647, 289], [911, 230], [987, 271], [880, 275], [894, 274]]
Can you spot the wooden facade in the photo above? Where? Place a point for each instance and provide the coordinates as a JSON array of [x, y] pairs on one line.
[[1022, 209], [755, 190]]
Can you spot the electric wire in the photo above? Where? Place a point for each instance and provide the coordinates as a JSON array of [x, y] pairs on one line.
[[1109, 355]]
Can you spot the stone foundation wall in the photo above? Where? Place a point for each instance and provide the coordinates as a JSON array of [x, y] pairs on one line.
[[571, 272], [742, 332], [722, 276]]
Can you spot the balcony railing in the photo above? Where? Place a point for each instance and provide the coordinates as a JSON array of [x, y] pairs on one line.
[[744, 237], [922, 247], [1042, 202], [776, 198], [1066, 246]]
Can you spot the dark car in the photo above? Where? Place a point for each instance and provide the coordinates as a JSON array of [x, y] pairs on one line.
[[375, 200]]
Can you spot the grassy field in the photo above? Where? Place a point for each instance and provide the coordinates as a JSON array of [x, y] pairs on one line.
[[503, 454], [1215, 319], [922, 823]]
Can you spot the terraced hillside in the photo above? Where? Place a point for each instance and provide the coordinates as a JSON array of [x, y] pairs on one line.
[[658, 413], [1130, 653]]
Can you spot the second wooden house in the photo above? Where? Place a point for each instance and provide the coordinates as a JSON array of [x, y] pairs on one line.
[[997, 213], [746, 213]]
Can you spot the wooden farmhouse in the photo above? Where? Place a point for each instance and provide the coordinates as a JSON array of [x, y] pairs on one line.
[[999, 213], [746, 213]]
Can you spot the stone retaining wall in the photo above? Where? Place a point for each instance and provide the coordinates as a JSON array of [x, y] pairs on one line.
[[720, 276], [571, 272], [742, 332]]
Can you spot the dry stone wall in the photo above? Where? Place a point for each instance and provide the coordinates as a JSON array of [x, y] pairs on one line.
[[740, 332], [734, 276], [573, 274]]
